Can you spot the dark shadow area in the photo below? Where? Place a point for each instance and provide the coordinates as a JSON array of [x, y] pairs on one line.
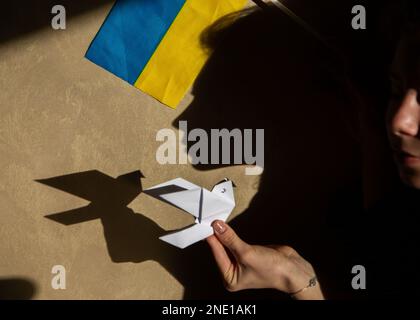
[[265, 72], [326, 152], [19, 18], [101, 190], [16, 289]]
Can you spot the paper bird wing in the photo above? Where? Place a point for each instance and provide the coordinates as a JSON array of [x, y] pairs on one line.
[[189, 235], [188, 200], [179, 182], [180, 193]]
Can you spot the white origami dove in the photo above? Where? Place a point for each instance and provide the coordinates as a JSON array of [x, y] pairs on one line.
[[206, 206]]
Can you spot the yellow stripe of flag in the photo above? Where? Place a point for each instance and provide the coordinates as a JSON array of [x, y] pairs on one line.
[[179, 58]]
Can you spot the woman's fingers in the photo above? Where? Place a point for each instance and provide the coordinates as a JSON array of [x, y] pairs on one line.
[[230, 239], [220, 255]]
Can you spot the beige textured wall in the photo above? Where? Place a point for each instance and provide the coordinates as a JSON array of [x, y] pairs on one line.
[[61, 114]]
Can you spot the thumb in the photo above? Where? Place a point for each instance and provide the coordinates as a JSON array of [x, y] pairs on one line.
[[229, 238]]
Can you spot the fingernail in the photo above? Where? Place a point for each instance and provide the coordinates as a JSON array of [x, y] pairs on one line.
[[219, 226]]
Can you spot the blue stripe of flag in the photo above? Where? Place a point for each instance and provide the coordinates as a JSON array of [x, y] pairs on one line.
[[130, 35]]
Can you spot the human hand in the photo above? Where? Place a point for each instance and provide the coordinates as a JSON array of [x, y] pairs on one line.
[[253, 267]]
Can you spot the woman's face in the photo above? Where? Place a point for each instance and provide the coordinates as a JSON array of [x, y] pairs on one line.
[[403, 121]]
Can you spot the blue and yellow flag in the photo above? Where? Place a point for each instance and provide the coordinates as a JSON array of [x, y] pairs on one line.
[[154, 44]]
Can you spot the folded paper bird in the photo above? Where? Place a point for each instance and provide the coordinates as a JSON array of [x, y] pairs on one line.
[[206, 206]]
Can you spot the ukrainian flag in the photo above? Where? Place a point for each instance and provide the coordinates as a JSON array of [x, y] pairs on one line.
[[154, 44]]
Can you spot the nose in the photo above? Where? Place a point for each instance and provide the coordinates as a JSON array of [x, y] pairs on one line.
[[406, 117]]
